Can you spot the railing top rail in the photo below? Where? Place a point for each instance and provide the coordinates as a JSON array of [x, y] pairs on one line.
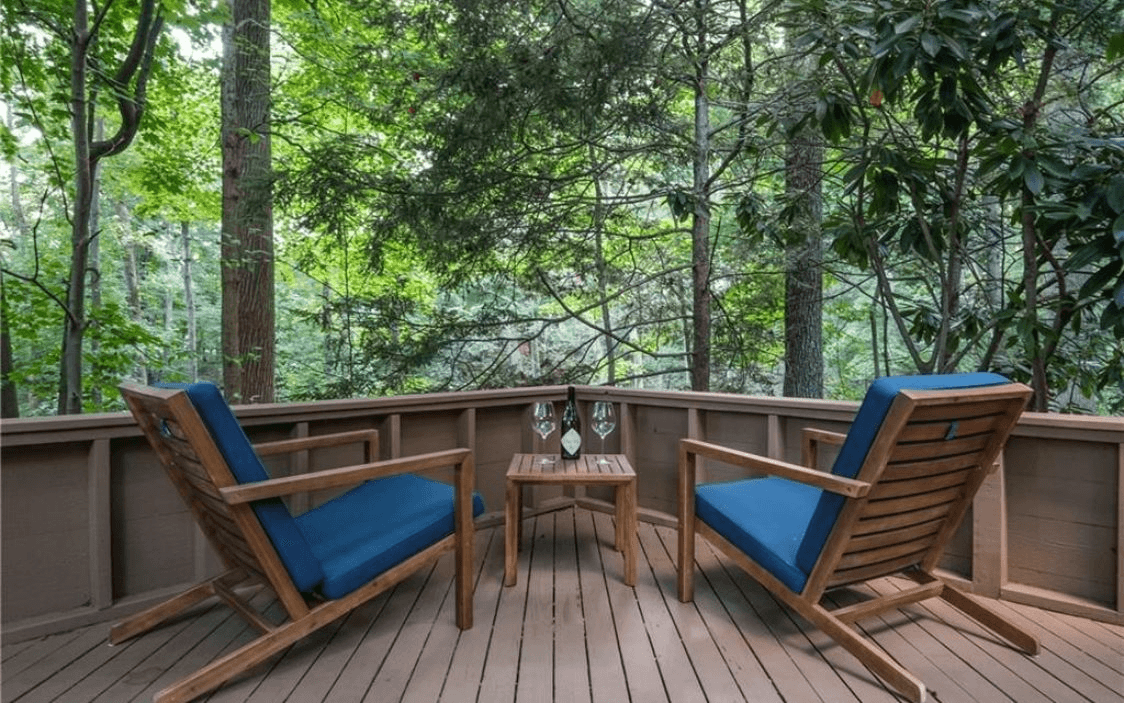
[[68, 428]]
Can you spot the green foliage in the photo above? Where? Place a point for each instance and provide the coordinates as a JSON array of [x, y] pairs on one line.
[[959, 152], [482, 194]]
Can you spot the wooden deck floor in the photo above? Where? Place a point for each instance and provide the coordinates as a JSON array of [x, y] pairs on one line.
[[572, 631]]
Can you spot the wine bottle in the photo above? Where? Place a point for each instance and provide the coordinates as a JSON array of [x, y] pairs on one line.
[[571, 428]]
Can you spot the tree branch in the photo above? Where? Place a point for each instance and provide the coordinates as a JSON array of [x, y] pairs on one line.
[[137, 63]]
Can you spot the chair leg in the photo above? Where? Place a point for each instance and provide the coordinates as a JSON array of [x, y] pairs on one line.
[[463, 554], [873, 658], [989, 618], [239, 661], [686, 566], [686, 505], [157, 615]]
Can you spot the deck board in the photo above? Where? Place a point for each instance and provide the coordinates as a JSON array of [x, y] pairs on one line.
[[467, 662], [665, 637], [642, 670], [535, 674], [607, 679], [371, 652], [710, 667], [571, 665], [570, 631], [1017, 675]]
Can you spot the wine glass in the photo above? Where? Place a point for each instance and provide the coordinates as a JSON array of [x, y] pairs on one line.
[[604, 422], [542, 421]]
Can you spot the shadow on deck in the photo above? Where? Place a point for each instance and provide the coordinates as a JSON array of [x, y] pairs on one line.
[[572, 631]]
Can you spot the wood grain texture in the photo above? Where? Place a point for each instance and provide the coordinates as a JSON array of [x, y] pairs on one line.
[[222, 508], [922, 470], [610, 643], [596, 469]]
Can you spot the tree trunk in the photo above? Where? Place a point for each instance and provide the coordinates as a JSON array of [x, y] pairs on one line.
[[131, 273], [130, 99], [94, 265], [1038, 356], [247, 219], [803, 295], [189, 306], [602, 278], [700, 229], [74, 325], [9, 398]]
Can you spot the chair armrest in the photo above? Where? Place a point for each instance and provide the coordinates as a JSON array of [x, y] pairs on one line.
[[810, 440], [288, 446], [345, 476], [828, 482], [812, 434]]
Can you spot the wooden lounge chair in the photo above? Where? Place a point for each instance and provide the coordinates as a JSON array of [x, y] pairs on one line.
[[907, 471], [321, 564]]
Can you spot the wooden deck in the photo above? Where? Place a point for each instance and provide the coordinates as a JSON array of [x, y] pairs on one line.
[[572, 631]]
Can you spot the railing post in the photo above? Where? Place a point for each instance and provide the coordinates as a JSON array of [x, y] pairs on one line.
[[695, 431], [774, 440], [392, 431], [298, 464], [466, 429], [101, 525], [1120, 530], [628, 433]]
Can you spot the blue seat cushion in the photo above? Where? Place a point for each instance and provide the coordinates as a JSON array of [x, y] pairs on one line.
[[349, 540], [275, 518], [764, 517], [376, 525], [864, 428]]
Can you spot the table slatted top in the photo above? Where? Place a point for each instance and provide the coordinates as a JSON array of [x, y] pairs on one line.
[[527, 468]]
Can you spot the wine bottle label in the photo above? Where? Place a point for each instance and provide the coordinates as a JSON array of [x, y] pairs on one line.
[[571, 441]]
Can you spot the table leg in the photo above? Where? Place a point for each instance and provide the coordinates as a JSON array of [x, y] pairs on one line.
[[512, 524], [626, 529], [620, 534]]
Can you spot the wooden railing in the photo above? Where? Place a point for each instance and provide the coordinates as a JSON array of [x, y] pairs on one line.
[[91, 528]]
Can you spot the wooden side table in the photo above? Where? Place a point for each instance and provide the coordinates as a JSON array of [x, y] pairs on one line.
[[527, 468]]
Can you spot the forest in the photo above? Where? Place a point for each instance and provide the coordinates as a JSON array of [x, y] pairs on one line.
[[306, 200]]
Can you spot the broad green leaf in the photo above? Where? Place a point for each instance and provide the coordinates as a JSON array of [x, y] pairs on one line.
[[1085, 208], [1052, 166], [907, 25], [1033, 179], [1018, 166], [1114, 196], [903, 62], [1099, 280], [930, 44], [883, 47]]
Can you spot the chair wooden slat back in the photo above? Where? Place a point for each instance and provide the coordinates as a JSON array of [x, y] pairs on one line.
[[389, 524], [929, 459], [903, 479], [198, 470]]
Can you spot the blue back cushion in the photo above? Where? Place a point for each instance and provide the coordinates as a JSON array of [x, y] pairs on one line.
[[865, 427], [278, 523]]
